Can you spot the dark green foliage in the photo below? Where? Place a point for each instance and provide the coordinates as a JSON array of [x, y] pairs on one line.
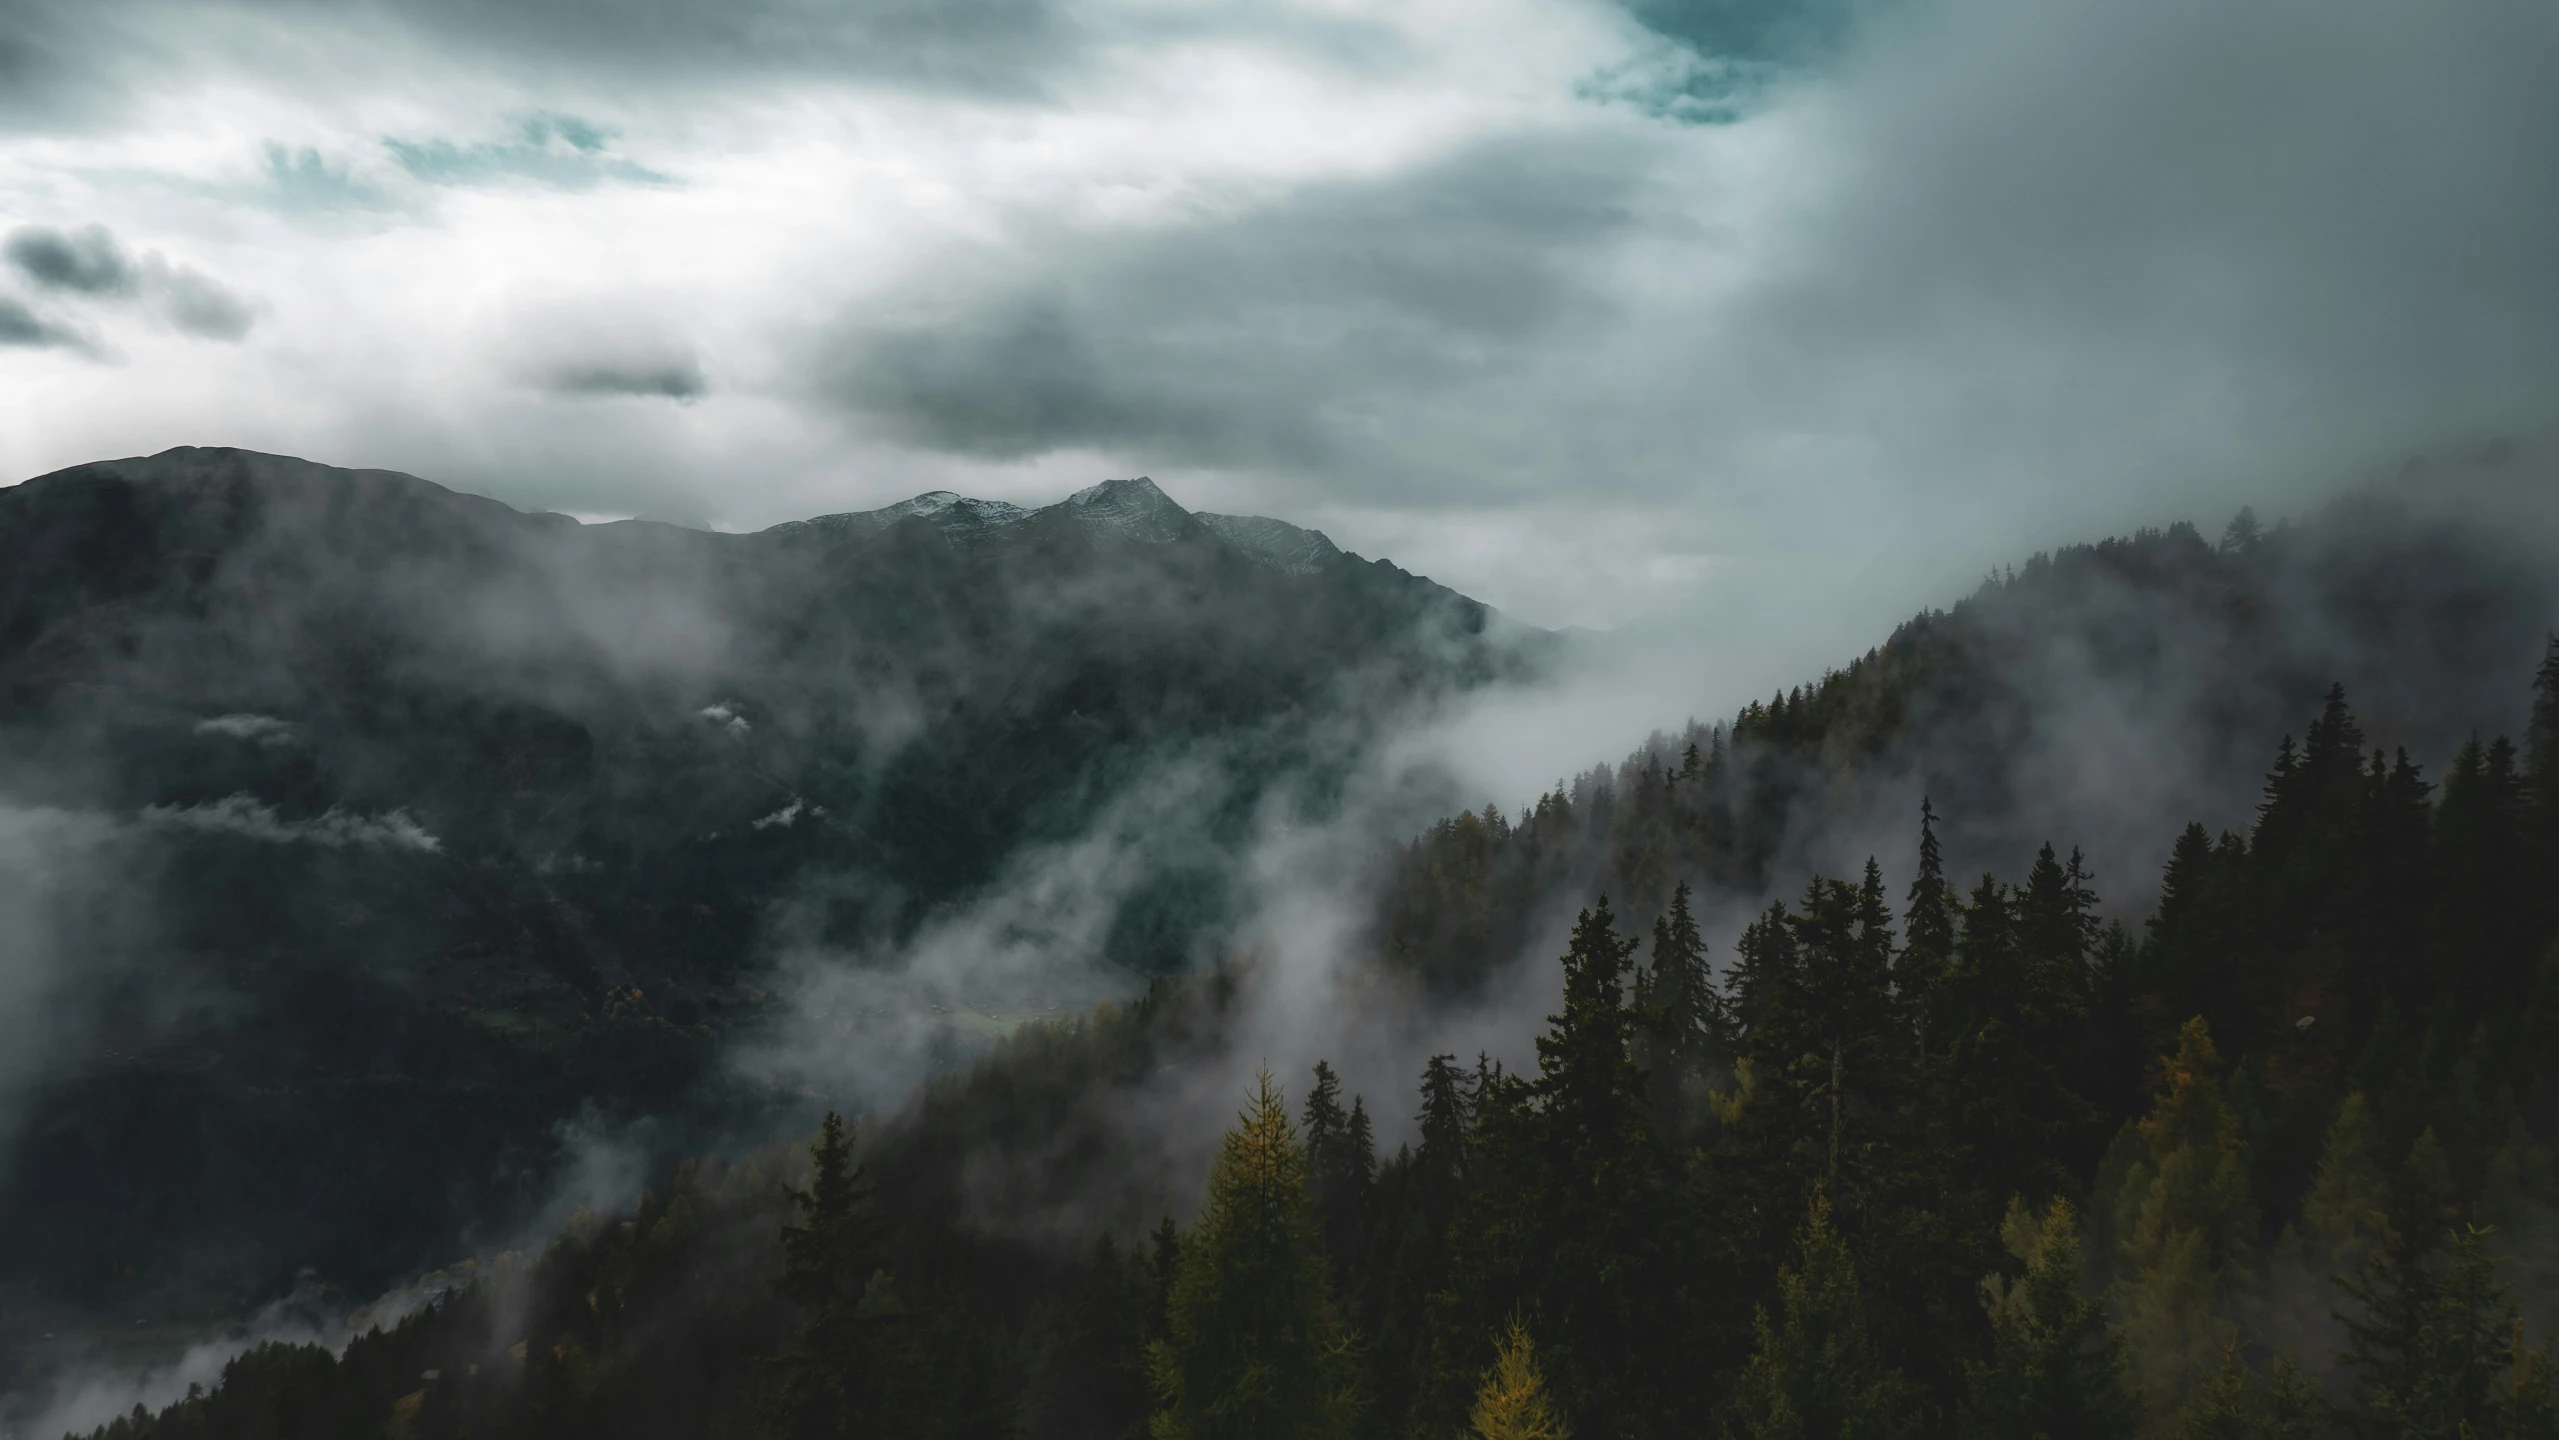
[[2237, 1405], [1341, 1158], [1765, 1205], [1813, 1373], [581, 728], [1564, 1225], [2055, 1367], [1255, 1349], [1928, 931], [1684, 1038], [843, 1372], [2436, 1347]]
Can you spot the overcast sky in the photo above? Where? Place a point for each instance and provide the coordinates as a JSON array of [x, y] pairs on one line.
[[1777, 318]]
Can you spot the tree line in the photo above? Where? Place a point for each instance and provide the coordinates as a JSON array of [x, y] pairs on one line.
[[1965, 1160]]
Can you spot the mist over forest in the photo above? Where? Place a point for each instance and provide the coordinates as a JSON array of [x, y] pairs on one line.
[[1310, 720], [424, 913]]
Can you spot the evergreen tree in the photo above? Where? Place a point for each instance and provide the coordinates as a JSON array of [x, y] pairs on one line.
[[1088, 1364], [1255, 1351], [2347, 1211], [1680, 1016], [2541, 760], [2439, 1353], [1830, 1053], [2484, 922], [2015, 1009], [1512, 1403], [2385, 901], [838, 1377], [2541, 736], [1928, 931], [1444, 1120], [2055, 1369], [2232, 1405], [2188, 1223], [1813, 1374], [1572, 1223], [1341, 1164]]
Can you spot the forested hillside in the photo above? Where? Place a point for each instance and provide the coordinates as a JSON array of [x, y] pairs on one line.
[[390, 830], [1961, 1160], [2109, 693]]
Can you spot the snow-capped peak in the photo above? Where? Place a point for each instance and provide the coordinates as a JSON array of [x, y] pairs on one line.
[[1135, 508]]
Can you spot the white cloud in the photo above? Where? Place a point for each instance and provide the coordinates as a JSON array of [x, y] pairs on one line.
[[1992, 275], [248, 818]]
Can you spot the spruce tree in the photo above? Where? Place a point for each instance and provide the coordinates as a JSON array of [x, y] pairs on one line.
[[1443, 1120], [1512, 1403], [2439, 1351], [1255, 1351], [2188, 1222], [1928, 934], [1087, 1376], [837, 1377], [1341, 1163], [1680, 1016], [2233, 1405], [2055, 1367], [1813, 1373], [2347, 1210]]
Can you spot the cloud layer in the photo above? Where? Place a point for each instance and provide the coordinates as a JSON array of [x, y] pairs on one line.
[[1605, 313]]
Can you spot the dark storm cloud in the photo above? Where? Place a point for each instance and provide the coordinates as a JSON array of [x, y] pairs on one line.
[[70, 62], [90, 264], [2202, 237], [1252, 338], [24, 329], [673, 379], [87, 261]]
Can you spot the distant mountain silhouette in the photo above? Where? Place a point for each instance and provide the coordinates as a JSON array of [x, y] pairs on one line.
[[443, 820]]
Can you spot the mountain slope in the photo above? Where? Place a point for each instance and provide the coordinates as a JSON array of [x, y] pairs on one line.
[[429, 824]]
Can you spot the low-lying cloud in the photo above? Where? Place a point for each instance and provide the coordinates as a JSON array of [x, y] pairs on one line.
[[247, 818], [89, 264]]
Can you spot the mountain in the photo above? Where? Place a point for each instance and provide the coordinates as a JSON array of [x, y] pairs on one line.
[[2271, 1155], [388, 830], [2100, 696]]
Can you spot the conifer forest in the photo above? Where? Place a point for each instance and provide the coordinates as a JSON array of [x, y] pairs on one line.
[[1952, 1157]]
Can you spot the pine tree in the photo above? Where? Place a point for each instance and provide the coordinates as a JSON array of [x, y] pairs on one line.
[[1813, 1374], [2232, 1405], [1088, 1373], [2055, 1368], [1828, 1046], [1928, 930], [2014, 1008], [836, 1378], [2435, 1349], [1444, 1119], [2439, 1352], [2484, 926], [1341, 1164], [1680, 1016], [1512, 1403], [2347, 1210], [2541, 761], [2187, 1219], [2541, 736], [1255, 1351]]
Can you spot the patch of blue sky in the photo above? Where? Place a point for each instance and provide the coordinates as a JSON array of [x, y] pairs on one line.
[[549, 149], [1714, 59], [305, 182]]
